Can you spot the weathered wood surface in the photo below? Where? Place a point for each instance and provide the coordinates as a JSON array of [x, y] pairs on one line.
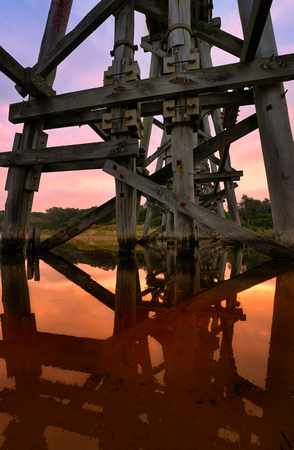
[[80, 278], [259, 72], [126, 196], [28, 82], [163, 148], [258, 17], [218, 176], [221, 39], [207, 200], [73, 39], [206, 101], [24, 182], [70, 153], [11, 68], [275, 135], [155, 234], [209, 33], [78, 226], [225, 138], [207, 221], [179, 43], [152, 9], [206, 62]]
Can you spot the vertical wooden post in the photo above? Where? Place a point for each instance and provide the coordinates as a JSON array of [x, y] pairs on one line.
[[276, 137], [179, 43], [126, 196], [22, 183]]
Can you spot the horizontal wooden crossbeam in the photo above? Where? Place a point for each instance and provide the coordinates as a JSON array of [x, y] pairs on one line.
[[152, 108], [207, 221], [233, 76], [216, 176], [70, 153]]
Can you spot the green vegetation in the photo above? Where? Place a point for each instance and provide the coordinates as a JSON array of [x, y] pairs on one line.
[[254, 214]]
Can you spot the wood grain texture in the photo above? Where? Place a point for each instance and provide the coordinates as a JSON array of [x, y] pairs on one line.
[[69, 153], [259, 72], [207, 221]]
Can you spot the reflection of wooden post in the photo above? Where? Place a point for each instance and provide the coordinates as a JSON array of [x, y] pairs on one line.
[[185, 279], [278, 407], [17, 320], [276, 137], [125, 294], [236, 270], [34, 233], [21, 182]]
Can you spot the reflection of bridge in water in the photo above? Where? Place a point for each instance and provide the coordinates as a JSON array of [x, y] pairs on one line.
[[112, 394]]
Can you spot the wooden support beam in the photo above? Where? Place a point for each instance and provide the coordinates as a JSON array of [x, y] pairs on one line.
[[26, 79], [206, 62], [72, 40], [258, 17], [207, 200], [147, 47], [259, 72], [217, 176], [275, 136], [225, 138], [206, 101], [163, 148], [90, 164], [207, 221], [24, 182], [11, 68], [78, 226], [70, 153], [203, 30], [214, 36], [152, 9]]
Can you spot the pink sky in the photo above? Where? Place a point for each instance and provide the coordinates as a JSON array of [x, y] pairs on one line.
[[20, 34]]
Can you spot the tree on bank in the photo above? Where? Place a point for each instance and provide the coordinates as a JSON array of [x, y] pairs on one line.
[[255, 213]]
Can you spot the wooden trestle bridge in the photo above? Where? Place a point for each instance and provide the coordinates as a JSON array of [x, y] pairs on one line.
[[183, 87]]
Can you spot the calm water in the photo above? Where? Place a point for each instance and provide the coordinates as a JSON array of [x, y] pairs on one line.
[[150, 353]]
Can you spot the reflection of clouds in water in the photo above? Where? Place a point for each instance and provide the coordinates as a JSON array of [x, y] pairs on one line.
[[64, 376], [61, 307], [251, 338], [228, 434], [60, 439], [156, 353], [5, 419], [5, 381]]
